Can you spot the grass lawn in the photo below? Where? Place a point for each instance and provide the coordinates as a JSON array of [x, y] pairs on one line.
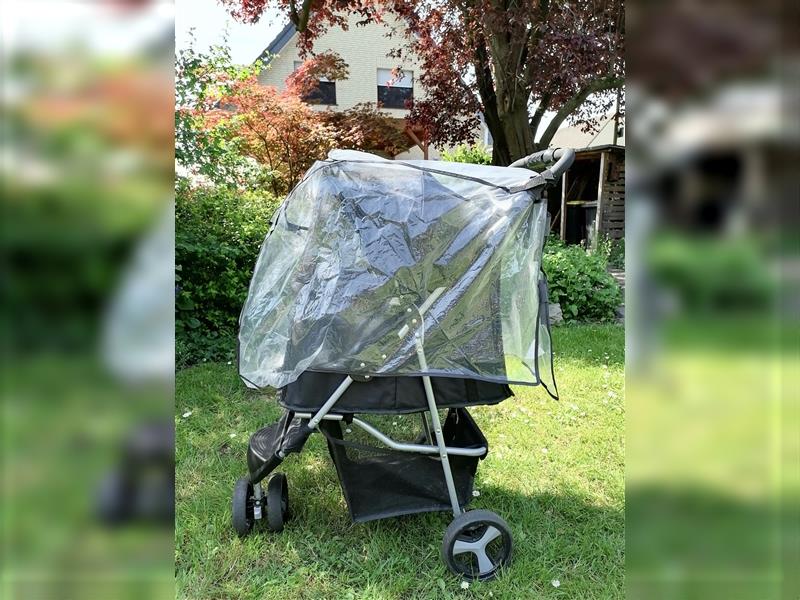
[[555, 472]]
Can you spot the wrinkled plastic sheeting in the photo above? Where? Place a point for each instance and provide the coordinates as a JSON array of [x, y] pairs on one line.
[[360, 245]]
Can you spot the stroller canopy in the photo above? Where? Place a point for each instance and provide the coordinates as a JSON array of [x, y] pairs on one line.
[[366, 252]]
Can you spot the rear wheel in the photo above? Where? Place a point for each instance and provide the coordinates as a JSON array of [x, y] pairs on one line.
[[277, 502], [477, 545], [242, 507]]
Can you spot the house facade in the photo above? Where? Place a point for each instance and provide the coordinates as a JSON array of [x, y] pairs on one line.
[[365, 49]]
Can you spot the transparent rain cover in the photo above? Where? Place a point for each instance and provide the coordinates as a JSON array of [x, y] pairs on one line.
[[369, 258]]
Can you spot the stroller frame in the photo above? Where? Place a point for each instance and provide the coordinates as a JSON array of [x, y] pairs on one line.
[[477, 544], [440, 447]]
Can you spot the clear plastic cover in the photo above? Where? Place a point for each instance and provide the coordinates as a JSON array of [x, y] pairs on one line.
[[370, 261]]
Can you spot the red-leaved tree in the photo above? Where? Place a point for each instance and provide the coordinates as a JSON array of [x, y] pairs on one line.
[[513, 60], [284, 134], [276, 129]]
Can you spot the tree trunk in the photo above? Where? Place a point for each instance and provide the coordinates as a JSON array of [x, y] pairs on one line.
[[511, 97], [518, 137]]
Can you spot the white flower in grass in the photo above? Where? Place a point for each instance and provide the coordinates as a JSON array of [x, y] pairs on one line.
[[187, 414], [545, 450], [233, 435], [465, 585], [394, 423], [475, 493], [612, 395], [556, 583], [230, 362]]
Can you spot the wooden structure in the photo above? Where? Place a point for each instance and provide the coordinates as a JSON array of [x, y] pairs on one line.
[[591, 202]]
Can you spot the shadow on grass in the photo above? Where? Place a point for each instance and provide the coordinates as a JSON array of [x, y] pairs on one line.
[[562, 537]]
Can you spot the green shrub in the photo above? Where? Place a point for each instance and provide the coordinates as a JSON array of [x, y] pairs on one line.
[[613, 252], [579, 282], [218, 234], [709, 274], [477, 155]]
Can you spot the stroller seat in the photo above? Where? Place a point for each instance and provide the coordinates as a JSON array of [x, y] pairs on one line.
[[388, 395]]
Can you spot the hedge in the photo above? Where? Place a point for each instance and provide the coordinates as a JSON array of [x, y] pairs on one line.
[[218, 234]]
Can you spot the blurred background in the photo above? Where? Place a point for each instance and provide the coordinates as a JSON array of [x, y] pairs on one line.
[[712, 455], [87, 296], [713, 297]]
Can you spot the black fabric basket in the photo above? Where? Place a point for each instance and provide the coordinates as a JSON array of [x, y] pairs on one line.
[[379, 482], [388, 395]]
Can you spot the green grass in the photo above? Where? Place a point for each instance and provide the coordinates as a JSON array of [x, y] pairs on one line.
[[554, 472]]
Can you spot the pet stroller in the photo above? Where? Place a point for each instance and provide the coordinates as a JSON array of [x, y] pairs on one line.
[[400, 288]]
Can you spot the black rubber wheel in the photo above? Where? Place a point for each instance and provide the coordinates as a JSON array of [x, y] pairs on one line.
[[242, 507], [477, 545], [114, 498], [277, 502]]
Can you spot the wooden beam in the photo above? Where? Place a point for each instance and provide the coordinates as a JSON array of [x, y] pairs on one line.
[[600, 185], [422, 145]]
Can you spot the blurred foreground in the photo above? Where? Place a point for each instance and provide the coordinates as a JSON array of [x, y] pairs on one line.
[[713, 277], [88, 300], [713, 478]]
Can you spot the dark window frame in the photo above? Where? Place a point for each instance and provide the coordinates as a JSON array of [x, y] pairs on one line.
[[395, 96], [324, 94]]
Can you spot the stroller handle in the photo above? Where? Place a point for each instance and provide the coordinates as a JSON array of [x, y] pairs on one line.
[[563, 158]]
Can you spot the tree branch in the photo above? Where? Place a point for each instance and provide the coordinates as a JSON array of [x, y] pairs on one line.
[[537, 31], [571, 105], [300, 19], [536, 119]]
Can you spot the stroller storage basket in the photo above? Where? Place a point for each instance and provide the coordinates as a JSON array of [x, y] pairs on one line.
[[408, 483]]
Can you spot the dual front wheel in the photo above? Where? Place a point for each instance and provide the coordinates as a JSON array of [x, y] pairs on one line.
[[247, 505]]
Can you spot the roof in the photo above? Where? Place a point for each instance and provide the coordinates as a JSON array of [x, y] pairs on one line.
[[574, 136], [594, 149], [280, 41]]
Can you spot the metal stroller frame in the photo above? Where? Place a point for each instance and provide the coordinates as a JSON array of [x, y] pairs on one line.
[[480, 527], [440, 447]]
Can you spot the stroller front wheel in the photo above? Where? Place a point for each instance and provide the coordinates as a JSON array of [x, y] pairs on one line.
[[477, 545], [242, 507], [277, 502]]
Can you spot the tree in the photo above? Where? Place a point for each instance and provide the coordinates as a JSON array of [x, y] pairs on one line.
[[234, 131], [208, 147], [276, 129], [512, 60], [364, 127]]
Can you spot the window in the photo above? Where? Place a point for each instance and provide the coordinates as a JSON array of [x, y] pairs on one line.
[[399, 92], [325, 92]]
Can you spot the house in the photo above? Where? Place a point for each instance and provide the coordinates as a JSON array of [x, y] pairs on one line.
[[590, 204], [365, 49]]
